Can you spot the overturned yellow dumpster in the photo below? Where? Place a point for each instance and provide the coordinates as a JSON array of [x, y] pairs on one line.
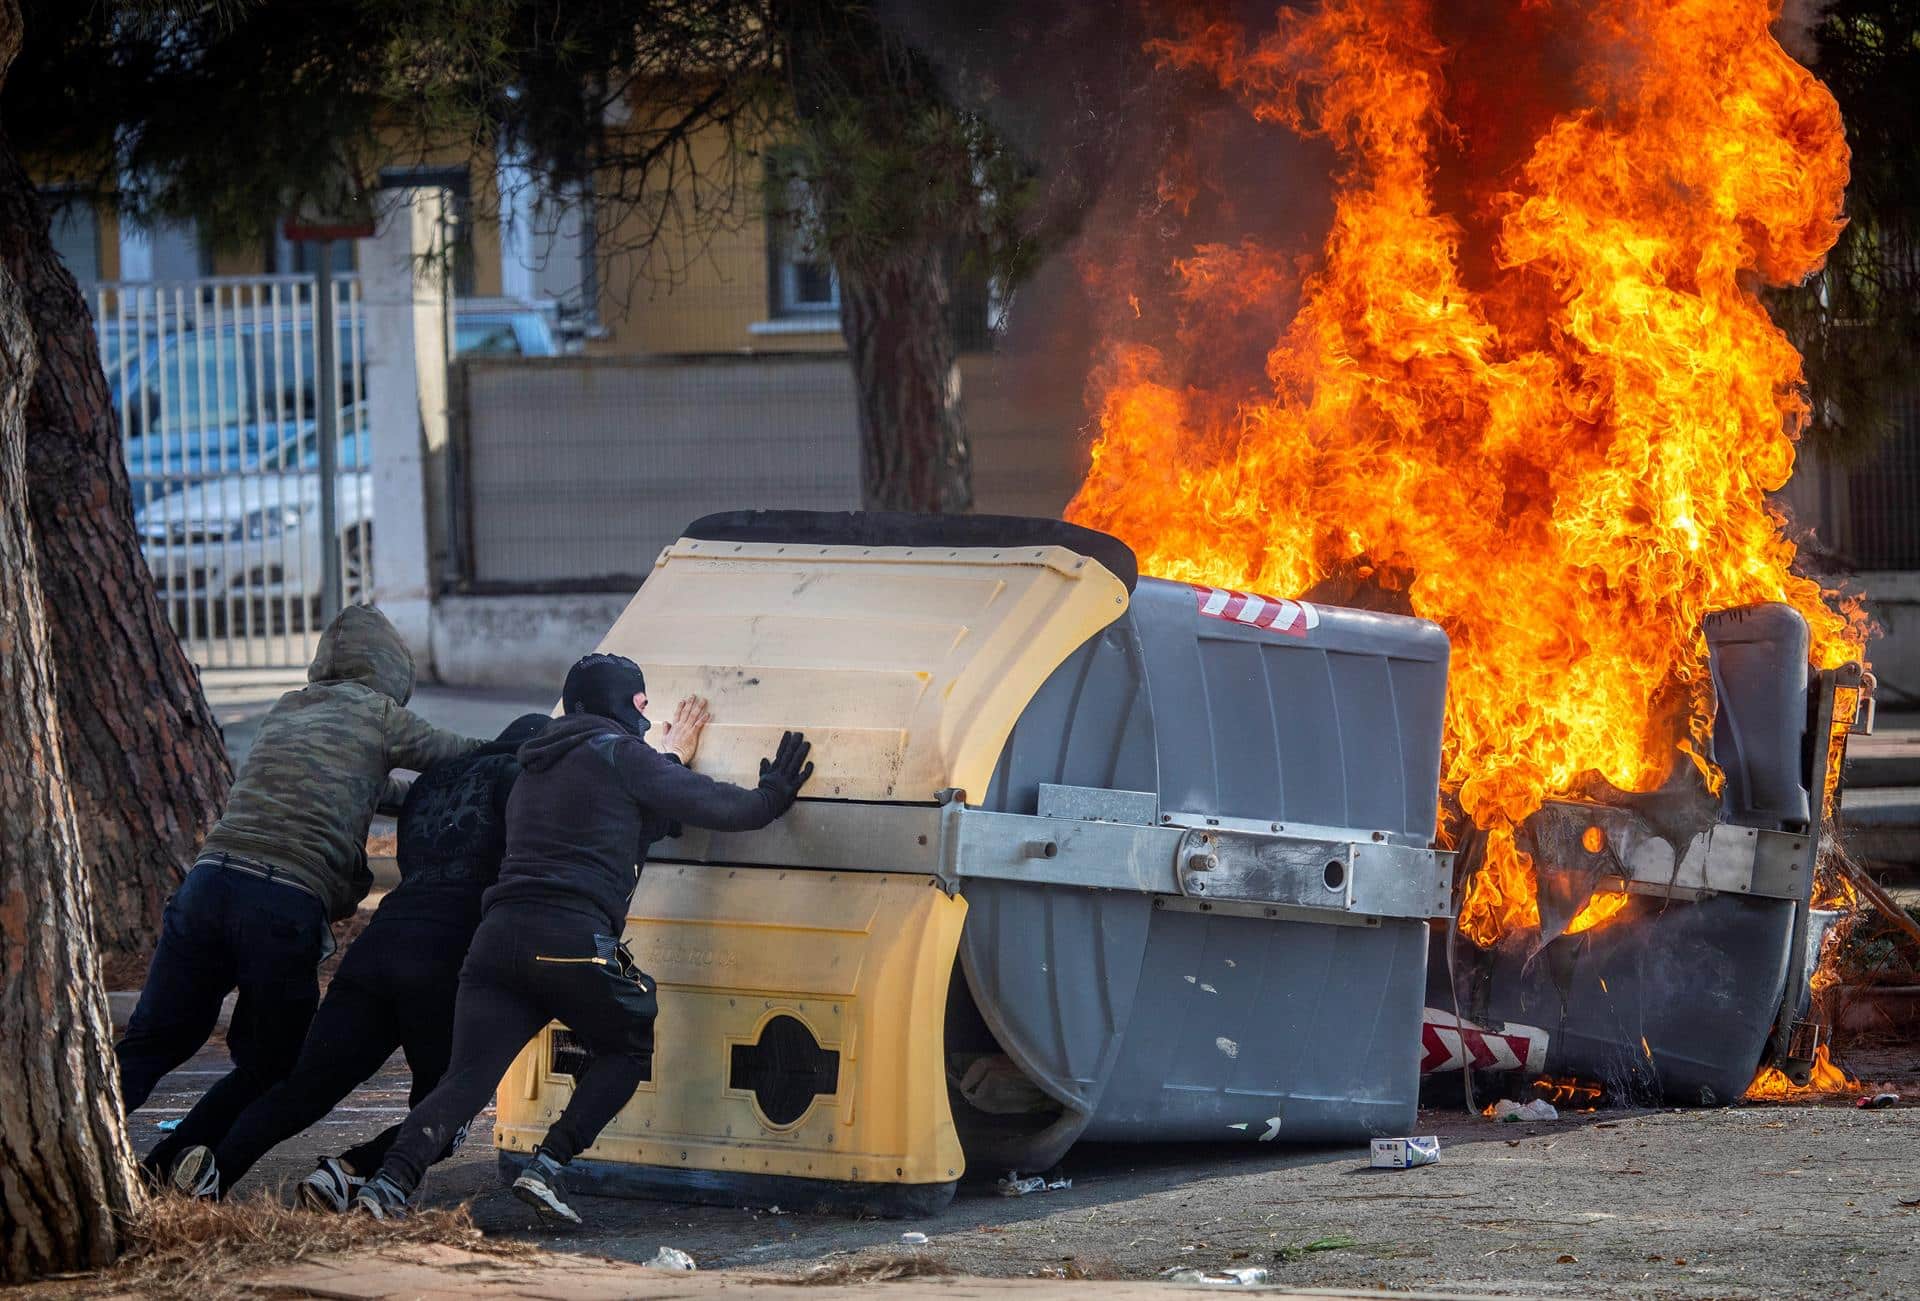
[[1043, 884]]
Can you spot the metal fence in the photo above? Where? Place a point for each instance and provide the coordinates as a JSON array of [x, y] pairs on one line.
[[225, 417]]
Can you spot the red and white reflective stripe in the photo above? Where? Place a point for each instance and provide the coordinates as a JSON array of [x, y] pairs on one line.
[[1448, 1043], [1295, 618]]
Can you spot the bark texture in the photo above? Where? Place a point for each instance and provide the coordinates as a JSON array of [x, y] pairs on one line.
[[66, 1173], [145, 759], [889, 186], [913, 446]]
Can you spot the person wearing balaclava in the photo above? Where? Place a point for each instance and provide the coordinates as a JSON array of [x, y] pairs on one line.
[[592, 799], [286, 860], [395, 988]]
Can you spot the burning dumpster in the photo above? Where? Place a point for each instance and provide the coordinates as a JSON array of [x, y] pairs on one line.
[[1086, 856], [1678, 928]]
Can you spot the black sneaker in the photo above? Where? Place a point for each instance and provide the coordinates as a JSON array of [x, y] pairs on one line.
[[331, 1187], [381, 1198], [195, 1174], [539, 1186]]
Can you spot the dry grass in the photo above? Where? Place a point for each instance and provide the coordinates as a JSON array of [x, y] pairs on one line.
[[889, 1268], [178, 1247]]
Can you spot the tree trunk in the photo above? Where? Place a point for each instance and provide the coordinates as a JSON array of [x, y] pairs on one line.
[[66, 1173], [145, 759], [913, 448]]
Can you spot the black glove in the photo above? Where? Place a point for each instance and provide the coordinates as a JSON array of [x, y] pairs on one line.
[[783, 775]]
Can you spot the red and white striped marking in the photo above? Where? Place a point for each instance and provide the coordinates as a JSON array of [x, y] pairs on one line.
[[1448, 1043], [1295, 618]]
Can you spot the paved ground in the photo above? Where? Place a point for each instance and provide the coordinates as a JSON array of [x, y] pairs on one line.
[[1761, 1200]]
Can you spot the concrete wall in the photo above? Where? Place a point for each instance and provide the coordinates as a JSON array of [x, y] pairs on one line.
[[519, 642], [1894, 599]]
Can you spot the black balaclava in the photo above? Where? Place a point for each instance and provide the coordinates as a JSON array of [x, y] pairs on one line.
[[605, 685]]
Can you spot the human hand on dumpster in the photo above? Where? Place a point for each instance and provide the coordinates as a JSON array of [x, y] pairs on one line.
[[783, 775], [681, 736]]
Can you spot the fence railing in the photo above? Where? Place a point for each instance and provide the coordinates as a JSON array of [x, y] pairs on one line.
[[221, 399]]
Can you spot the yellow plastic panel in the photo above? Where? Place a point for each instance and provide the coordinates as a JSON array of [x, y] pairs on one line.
[[906, 667], [861, 959]]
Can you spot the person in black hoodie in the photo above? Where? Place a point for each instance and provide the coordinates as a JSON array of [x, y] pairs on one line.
[[395, 988], [592, 799]]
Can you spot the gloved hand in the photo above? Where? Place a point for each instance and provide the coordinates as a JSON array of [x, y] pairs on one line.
[[783, 775]]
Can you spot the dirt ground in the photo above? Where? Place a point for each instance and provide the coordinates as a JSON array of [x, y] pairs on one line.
[[1775, 1200]]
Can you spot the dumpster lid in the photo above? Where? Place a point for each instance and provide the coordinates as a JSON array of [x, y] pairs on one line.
[[850, 528], [906, 666]]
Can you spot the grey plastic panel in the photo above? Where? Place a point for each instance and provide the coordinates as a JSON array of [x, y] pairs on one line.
[[1059, 978], [1121, 1010], [1758, 656], [1673, 1002], [1254, 1030]]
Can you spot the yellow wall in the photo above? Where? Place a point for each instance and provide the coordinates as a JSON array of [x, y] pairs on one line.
[[703, 300]]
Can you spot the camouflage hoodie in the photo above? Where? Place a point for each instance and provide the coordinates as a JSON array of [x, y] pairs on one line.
[[303, 801]]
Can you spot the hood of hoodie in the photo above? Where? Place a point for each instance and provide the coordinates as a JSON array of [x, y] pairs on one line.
[[564, 735], [516, 734], [361, 646]]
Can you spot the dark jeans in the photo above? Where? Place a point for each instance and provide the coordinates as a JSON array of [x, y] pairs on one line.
[[530, 965], [224, 929], [395, 989]]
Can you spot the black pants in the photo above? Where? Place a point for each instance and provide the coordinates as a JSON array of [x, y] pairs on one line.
[[530, 965], [394, 989], [223, 930]]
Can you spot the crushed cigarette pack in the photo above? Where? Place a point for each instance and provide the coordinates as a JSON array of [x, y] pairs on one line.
[[1404, 1153]]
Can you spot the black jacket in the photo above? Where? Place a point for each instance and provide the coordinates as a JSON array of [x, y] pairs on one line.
[[451, 837], [591, 800]]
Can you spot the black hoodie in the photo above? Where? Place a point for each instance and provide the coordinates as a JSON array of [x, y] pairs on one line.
[[591, 799], [452, 833]]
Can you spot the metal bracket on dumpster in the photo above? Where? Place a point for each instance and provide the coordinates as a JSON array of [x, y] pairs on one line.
[[1350, 876], [1220, 865], [1723, 859]]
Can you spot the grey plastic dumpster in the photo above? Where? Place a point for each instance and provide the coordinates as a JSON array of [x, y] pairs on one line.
[[1154, 1016], [1704, 976]]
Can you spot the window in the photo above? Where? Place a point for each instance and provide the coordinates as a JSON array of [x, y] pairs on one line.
[[801, 276], [76, 234]]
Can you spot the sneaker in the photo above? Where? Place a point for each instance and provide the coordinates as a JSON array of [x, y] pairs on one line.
[[539, 1186], [195, 1175], [381, 1198], [331, 1187]]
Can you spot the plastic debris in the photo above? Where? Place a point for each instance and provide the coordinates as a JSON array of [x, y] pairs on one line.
[[168, 1126], [1539, 1109], [1874, 1101], [672, 1258], [1013, 1184], [914, 1239], [1245, 1276], [1404, 1153]]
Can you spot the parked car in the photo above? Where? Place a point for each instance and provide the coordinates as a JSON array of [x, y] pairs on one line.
[[203, 401], [251, 541]]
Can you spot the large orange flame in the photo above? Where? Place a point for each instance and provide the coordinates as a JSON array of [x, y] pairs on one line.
[[1545, 413]]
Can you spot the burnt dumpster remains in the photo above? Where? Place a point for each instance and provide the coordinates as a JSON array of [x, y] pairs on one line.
[[1087, 856], [1702, 977]]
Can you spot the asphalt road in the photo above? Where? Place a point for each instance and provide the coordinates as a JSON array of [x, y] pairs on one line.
[[1776, 1201]]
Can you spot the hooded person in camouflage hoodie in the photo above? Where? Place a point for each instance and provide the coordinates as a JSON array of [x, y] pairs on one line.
[[286, 860]]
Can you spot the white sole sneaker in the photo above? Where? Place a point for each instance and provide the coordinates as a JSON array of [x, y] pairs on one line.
[[329, 1189], [537, 1193], [194, 1174]]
